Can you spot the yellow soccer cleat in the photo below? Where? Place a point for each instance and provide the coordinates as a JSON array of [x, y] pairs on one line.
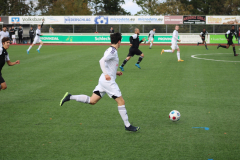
[[180, 60], [162, 51]]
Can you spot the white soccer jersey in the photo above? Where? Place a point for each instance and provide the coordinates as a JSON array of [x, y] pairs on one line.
[[38, 32], [151, 34], [175, 37], [2, 35], [109, 62]]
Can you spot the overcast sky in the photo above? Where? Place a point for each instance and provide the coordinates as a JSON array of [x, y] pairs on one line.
[[131, 7]]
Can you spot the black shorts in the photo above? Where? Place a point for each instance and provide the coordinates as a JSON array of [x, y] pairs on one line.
[[134, 51], [1, 79], [203, 39], [230, 43]]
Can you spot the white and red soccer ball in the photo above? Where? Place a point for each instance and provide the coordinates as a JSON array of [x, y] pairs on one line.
[[174, 115]]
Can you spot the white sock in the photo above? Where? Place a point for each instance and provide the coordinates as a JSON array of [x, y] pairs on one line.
[[151, 44], [29, 48], [123, 113], [168, 51], [81, 98], [178, 55], [39, 47]]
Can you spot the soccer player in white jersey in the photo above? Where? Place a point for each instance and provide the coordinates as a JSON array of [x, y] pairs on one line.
[[3, 33], [174, 44], [37, 38], [151, 38], [106, 84]]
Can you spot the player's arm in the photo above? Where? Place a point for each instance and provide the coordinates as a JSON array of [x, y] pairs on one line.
[[131, 40], [235, 35], [226, 35], [12, 63], [104, 65]]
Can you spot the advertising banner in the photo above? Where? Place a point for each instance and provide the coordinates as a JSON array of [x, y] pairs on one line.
[[78, 20], [4, 19], [194, 19], [36, 19], [122, 19], [220, 39], [173, 19], [193, 39], [150, 20], [96, 39], [231, 20]]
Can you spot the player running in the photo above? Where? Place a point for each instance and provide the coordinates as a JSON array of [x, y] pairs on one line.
[[151, 38], [3, 33], [134, 43], [174, 44], [4, 57], [37, 38], [203, 35], [229, 35], [106, 84]]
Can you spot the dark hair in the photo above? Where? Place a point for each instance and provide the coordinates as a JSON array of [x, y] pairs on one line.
[[233, 26], [4, 26], [115, 38], [5, 39]]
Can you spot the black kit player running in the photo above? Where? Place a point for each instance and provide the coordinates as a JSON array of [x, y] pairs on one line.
[[229, 35], [134, 40], [203, 36], [4, 57]]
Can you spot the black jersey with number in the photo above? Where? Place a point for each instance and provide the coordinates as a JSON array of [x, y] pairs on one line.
[[230, 33], [203, 34], [3, 57], [134, 40]]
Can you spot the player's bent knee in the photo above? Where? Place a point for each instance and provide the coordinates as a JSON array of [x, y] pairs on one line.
[[142, 55]]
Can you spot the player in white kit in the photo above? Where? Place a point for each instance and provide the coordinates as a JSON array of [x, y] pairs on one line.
[[3, 33], [151, 37], [174, 44], [106, 84], [37, 38]]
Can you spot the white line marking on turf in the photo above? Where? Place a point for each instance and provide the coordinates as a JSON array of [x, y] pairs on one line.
[[195, 56]]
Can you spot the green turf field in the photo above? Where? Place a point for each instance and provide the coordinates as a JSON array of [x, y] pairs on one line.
[[206, 92]]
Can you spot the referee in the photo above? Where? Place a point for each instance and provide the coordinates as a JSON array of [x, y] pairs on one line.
[[4, 57], [134, 43]]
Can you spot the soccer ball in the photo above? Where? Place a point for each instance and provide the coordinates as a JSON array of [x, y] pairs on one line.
[[174, 115]]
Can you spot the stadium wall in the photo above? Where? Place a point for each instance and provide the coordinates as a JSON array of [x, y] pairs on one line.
[[105, 38]]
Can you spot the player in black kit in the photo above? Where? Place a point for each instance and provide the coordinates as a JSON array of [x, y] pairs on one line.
[[203, 36], [4, 57], [134, 43], [229, 35]]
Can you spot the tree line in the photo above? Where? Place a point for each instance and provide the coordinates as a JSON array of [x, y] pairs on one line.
[[114, 7]]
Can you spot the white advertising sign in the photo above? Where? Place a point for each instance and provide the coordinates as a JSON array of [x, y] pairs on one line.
[[231, 20], [36, 19], [192, 38]]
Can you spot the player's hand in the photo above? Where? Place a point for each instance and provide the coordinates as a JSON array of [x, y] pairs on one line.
[[143, 39], [227, 39], [43, 19], [119, 73], [17, 62], [179, 40], [108, 78], [131, 45]]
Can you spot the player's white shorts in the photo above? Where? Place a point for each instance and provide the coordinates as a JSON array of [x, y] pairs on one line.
[[13, 36], [174, 46], [36, 40], [150, 39], [109, 87]]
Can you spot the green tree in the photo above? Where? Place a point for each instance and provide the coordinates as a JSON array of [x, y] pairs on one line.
[[69, 7], [149, 7], [108, 7], [174, 7], [15, 7]]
